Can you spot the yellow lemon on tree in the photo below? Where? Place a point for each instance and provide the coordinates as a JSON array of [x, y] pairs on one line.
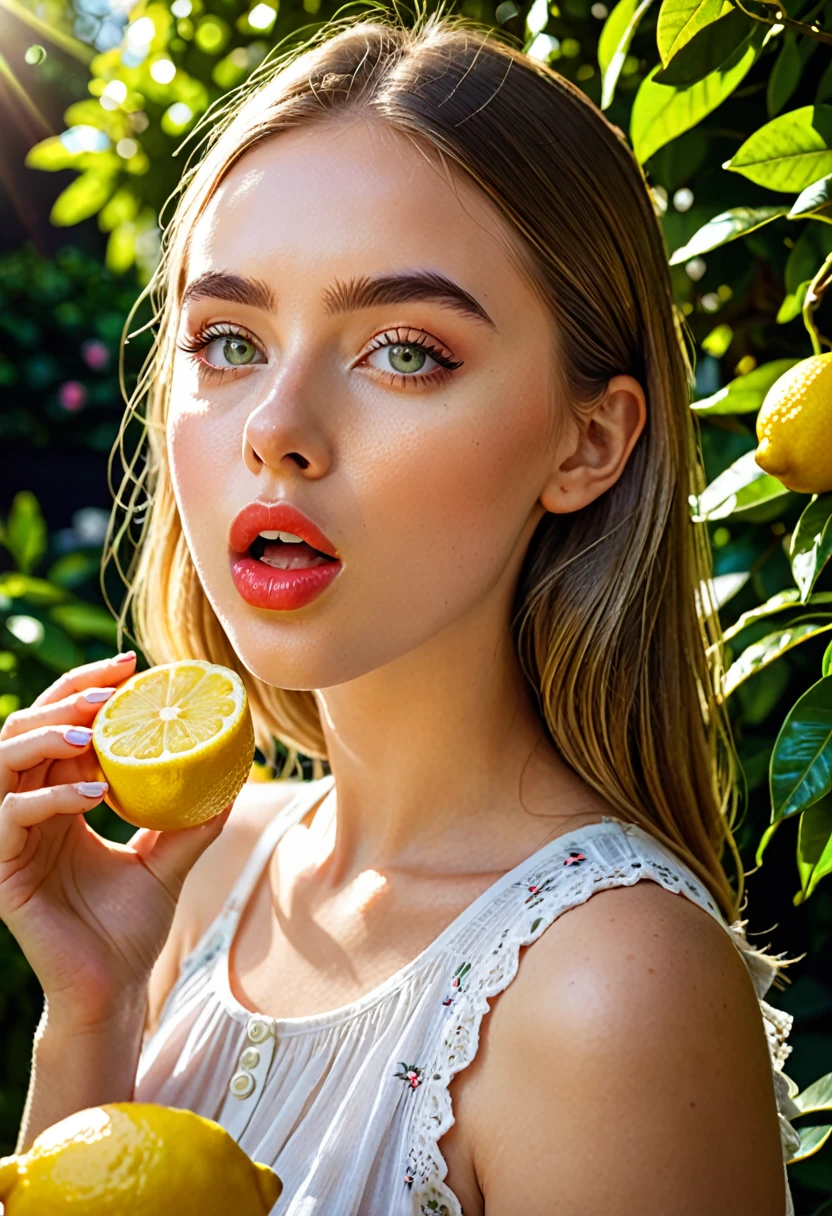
[[794, 424], [175, 743], [136, 1159]]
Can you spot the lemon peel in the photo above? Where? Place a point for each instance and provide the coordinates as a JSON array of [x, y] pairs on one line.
[[136, 1158], [793, 427], [175, 744]]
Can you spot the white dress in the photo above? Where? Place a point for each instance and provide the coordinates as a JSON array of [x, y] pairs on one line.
[[348, 1106]]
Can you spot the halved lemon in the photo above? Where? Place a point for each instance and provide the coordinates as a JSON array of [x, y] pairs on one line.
[[175, 743]]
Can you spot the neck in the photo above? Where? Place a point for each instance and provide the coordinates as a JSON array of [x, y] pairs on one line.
[[441, 764]]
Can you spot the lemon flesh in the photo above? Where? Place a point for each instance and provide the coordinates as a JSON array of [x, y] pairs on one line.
[[175, 744], [793, 427], [136, 1159]]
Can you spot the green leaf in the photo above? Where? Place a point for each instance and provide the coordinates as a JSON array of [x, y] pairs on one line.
[[788, 153], [814, 862], [812, 1139], [743, 485], [744, 394], [785, 75], [24, 534], [81, 199], [767, 650], [661, 112], [86, 621], [37, 591], [811, 544], [708, 50], [815, 1097], [50, 155], [764, 841], [792, 305], [801, 762], [818, 195], [780, 602], [680, 20], [614, 43], [826, 663], [72, 569]]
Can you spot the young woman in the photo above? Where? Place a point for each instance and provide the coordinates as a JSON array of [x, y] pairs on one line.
[[420, 457]]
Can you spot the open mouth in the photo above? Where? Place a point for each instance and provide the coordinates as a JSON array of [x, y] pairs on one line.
[[287, 555]]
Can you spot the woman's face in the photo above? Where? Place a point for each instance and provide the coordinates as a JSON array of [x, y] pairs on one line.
[[426, 478]]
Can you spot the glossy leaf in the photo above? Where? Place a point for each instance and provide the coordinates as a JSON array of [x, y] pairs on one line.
[[37, 591], [24, 532], [661, 112], [725, 227], [814, 862], [614, 43], [707, 50], [768, 649], [764, 841], [788, 153], [743, 485], [812, 1139], [815, 1097], [801, 762], [680, 20], [744, 394], [811, 544], [780, 602], [826, 664], [818, 195]]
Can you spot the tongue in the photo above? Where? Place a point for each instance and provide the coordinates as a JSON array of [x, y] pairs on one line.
[[285, 556]]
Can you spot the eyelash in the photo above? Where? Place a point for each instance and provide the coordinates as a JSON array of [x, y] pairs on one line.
[[210, 333]]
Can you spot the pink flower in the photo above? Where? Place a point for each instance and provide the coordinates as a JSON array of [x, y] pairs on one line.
[[534, 890], [455, 982], [413, 1078], [72, 395], [95, 354]]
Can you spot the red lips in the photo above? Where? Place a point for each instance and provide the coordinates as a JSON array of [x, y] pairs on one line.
[[260, 517]]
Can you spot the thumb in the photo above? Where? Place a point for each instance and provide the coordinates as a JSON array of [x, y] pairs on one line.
[[170, 855]]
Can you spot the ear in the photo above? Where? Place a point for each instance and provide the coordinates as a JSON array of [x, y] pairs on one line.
[[595, 447]]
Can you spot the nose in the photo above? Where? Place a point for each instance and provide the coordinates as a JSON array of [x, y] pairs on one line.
[[283, 429]]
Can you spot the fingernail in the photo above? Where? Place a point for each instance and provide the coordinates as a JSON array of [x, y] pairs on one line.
[[123, 658], [96, 695], [79, 735], [91, 789]]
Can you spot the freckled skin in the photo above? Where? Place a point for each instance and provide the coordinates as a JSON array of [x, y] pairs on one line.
[[430, 493]]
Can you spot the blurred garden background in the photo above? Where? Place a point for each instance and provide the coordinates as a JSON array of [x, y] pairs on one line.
[[728, 106]]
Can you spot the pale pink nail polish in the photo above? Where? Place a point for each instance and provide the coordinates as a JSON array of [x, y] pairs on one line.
[[123, 658]]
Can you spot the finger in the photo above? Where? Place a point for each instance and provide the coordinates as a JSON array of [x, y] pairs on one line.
[[80, 707], [105, 671], [170, 855], [46, 743], [19, 812]]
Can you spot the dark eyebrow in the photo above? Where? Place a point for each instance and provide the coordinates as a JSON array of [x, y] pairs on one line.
[[344, 297]]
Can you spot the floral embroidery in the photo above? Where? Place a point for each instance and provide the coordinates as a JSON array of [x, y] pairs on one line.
[[456, 983], [574, 858], [410, 1073]]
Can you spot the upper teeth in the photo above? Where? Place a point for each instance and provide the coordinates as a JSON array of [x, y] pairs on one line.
[[289, 537]]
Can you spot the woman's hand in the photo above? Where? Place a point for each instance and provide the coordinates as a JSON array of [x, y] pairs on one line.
[[90, 915]]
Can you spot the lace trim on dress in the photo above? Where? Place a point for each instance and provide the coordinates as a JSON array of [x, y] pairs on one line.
[[425, 1167]]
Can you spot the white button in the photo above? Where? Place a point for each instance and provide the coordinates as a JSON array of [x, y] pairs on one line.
[[250, 1058], [258, 1030], [241, 1084]]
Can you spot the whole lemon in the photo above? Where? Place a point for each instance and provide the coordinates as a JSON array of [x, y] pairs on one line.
[[136, 1159], [175, 744], [793, 427]]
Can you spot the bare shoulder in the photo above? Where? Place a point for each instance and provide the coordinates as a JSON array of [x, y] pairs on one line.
[[210, 880], [626, 1069]]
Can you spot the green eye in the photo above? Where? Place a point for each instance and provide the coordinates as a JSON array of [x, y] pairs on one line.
[[405, 357], [235, 350]]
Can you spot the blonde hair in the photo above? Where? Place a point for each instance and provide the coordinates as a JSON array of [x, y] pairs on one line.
[[614, 624]]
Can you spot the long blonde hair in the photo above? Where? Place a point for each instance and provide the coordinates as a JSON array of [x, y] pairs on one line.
[[615, 628]]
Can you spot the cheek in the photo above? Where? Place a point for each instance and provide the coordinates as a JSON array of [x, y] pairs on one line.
[[466, 479], [204, 453]]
